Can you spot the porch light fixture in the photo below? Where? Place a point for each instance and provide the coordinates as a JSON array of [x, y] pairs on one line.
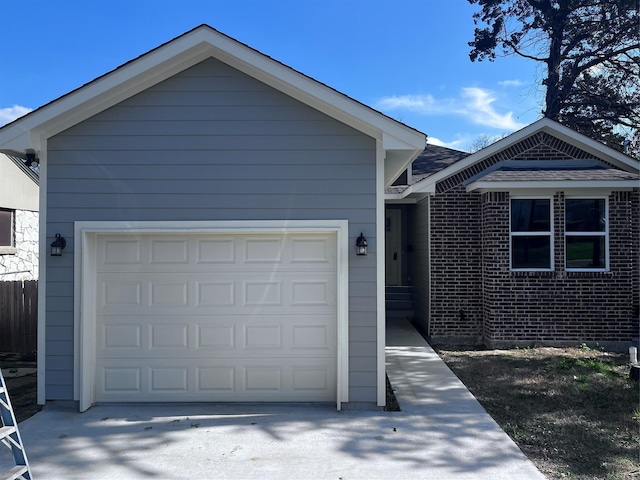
[[361, 245], [58, 245]]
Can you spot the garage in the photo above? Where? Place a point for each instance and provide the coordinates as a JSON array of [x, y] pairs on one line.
[[183, 316]]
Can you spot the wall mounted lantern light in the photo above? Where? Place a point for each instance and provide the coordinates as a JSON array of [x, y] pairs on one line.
[[361, 245], [58, 245]]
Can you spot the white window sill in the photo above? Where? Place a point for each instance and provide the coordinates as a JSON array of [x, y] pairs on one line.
[[8, 251]]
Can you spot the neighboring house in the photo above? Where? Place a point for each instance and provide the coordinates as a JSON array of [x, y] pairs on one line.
[[211, 199], [18, 219], [534, 239]]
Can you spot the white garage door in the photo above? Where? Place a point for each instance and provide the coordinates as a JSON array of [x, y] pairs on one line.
[[216, 317]]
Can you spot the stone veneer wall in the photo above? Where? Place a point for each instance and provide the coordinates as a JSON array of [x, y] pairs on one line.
[[22, 265]]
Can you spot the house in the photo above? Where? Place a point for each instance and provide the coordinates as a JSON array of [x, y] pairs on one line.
[[204, 202], [531, 240], [18, 219]]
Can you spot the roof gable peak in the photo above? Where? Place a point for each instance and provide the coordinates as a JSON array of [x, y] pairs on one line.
[[402, 143]]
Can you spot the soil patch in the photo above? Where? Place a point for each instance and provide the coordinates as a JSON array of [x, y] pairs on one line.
[[573, 411], [20, 375]]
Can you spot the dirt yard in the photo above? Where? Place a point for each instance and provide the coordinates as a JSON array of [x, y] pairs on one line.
[[573, 411], [20, 376]]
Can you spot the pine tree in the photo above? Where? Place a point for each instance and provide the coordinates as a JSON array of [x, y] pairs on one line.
[[591, 53]]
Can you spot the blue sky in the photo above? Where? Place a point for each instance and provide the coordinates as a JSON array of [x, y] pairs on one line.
[[407, 58]]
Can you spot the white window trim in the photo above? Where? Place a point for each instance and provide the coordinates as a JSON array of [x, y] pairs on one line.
[[11, 248], [549, 234], [604, 234]]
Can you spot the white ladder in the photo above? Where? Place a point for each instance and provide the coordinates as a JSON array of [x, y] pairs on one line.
[[10, 437]]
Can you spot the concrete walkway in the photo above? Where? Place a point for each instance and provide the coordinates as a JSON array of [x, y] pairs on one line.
[[441, 433]]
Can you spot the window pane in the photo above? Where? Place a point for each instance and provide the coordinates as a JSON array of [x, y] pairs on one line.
[[585, 215], [586, 252], [531, 252], [6, 228], [531, 215]]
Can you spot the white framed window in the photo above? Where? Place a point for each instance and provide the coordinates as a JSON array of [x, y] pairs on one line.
[[7, 221], [531, 234], [586, 234]]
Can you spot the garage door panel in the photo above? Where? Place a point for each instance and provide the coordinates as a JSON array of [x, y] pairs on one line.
[[116, 252], [165, 293], [312, 250], [168, 379], [169, 252], [259, 379], [262, 250], [216, 318], [191, 253], [219, 338], [121, 336], [165, 336], [127, 293], [262, 337], [221, 293], [141, 336]]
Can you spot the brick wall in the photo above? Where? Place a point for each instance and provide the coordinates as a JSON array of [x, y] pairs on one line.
[[475, 296], [456, 293], [560, 306]]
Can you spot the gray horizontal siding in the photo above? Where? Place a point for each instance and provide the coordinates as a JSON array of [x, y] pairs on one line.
[[238, 200], [206, 127], [211, 144], [205, 186], [212, 141], [218, 172], [197, 158]]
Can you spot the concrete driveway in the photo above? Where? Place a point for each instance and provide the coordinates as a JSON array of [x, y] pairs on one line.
[[442, 433]]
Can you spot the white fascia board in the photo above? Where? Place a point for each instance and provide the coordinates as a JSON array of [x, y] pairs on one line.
[[105, 92], [482, 186], [186, 51], [17, 140], [589, 145], [392, 199], [397, 161], [547, 125], [423, 187]]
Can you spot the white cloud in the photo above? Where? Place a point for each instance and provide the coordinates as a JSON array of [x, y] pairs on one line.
[[9, 114], [473, 103], [511, 83], [458, 144], [482, 112]]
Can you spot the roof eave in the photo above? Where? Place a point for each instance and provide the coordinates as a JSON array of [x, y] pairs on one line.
[[547, 125], [401, 143], [481, 186]]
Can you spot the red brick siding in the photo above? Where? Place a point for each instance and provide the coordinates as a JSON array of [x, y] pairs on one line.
[[455, 266], [560, 305], [470, 268]]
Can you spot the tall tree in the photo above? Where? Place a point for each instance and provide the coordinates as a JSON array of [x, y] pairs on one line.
[[591, 53]]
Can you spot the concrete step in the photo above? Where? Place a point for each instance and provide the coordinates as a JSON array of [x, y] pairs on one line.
[[404, 304], [398, 296], [399, 314], [397, 289], [398, 302]]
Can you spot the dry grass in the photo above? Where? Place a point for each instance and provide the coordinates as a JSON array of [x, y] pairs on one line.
[[572, 411]]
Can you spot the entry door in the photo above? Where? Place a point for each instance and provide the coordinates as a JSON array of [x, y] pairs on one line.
[[393, 251]]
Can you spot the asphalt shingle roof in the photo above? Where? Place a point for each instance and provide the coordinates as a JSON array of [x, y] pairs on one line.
[[554, 175]]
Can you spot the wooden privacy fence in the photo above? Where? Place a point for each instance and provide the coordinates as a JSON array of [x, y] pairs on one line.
[[18, 316]]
